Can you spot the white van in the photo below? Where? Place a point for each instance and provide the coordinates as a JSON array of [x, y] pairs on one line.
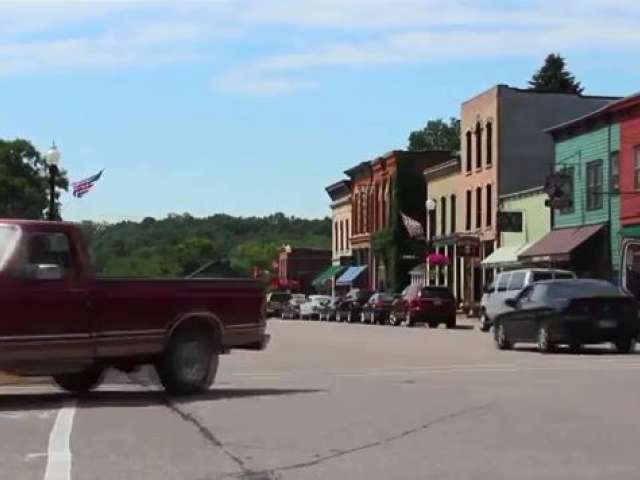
[[508, 284]]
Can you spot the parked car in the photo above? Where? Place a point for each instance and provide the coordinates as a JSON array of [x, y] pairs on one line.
[[349, 308], [508, 285], [291, 309], [430, 305], [327, 311], [275, 302], [310, 309], [377, 308], [571, 312], [60, 320]]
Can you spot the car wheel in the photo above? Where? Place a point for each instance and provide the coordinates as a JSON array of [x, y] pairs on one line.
[[544, 339], [485, 324], [432, 324], [451, 324], [80, 382], [393, 320], [190, 363], [500, 337], [373, 320], [349, 317], [408, 322], [626, 345], [363, 318]]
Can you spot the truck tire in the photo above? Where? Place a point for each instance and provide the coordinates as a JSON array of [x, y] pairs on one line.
[[190, 363], [80, 382]]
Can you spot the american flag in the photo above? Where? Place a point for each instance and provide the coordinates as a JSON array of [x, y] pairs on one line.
[[82, 187], [414, 227]]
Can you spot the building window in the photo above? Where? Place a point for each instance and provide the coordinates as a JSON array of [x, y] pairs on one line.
[[568, 171], [489, 205], [489, 133], [335, 236], [478, 145], [443, 216], [347, 234], [636, 168], [468, 218], [594, 185], [469, 149], [341, 235], [452, 210], [478, 207], [614, 177]]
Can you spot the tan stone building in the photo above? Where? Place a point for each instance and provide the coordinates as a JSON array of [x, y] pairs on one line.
[[340, 194], [504, 150]]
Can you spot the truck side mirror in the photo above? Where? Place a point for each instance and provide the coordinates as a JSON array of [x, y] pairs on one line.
[[511, 302], [45, 271]]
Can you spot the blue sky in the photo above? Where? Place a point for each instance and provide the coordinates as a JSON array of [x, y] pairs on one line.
[[253, 106]]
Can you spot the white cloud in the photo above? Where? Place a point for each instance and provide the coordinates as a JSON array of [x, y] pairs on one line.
[[261, 85]]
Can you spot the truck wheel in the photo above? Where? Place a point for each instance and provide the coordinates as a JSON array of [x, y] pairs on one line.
[[80, 382], [485, 323], [544, 339], [500, 337], [190, 363]]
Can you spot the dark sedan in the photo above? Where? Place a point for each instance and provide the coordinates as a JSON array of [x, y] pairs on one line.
[[348, 308], [569, 312], [377, 309]]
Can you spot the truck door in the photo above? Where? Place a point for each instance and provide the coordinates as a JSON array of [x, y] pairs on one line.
[[630, 267], [52, 320]]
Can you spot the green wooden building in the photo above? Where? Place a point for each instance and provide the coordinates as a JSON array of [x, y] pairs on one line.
[[585, 235]]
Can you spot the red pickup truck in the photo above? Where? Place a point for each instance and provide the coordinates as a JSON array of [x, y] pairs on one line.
[[59, 319]]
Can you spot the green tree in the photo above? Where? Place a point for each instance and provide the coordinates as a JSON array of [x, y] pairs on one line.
[[554, 77], [24, 181], [436, 135]]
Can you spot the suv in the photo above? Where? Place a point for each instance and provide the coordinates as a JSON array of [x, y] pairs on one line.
[[291, 309], [349, 308], [508, 285], [275, 302], [431, 305], [313, 306]]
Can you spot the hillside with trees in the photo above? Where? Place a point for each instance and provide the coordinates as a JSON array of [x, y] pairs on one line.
[[180, 244]]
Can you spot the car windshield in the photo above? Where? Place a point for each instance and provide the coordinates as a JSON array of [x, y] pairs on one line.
[[8, 239], [279, 297], [383, 297], [581, 289]]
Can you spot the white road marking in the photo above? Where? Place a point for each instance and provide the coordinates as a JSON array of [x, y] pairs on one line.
[[33, 456], [59, 453]]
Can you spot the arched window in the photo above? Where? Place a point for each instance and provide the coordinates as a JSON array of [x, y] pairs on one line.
[[468, 212], [489, 206], [489, 129], [335, 236], [443, 215], [479, 207], [347, 233], [478, 145], [469, 150], [452, 210], [341, 235]]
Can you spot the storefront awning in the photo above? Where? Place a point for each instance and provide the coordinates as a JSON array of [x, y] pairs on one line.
[[328, 274], [350, 276], [557, 245], [504, 257]]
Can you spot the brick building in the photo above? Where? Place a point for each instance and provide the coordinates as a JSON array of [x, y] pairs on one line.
[[297, 267]]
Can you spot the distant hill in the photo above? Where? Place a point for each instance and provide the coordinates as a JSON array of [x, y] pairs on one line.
[[180, 244]]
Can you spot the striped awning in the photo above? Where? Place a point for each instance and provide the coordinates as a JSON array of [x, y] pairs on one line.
[[350, 276], [328, 274]]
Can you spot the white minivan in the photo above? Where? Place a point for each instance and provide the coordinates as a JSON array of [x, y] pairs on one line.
[[508, 284]]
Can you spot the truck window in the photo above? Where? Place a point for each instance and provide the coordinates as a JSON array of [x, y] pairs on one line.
[[48, 249], [503, 282], [8, 238], [517, 281], [541, 276]]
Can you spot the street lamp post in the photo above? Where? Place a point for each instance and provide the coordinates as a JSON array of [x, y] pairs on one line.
[[431, 207], [52, 158]]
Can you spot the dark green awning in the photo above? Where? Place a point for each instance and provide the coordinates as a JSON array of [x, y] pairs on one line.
[[328, 274], [631, 231]]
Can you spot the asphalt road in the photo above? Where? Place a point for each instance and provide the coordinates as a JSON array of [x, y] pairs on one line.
[[338, 401]]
